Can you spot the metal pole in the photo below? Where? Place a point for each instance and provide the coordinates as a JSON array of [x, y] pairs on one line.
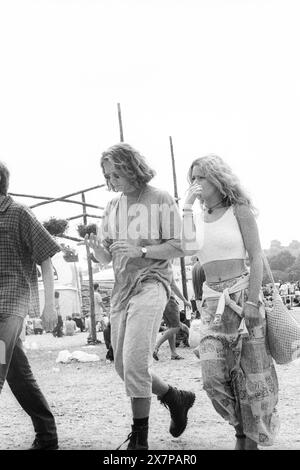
[[182, 262], [120, 123], [91, 282]]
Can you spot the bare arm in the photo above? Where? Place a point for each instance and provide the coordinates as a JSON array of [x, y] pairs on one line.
[[189, 239], [49, 313], [251, 239], [167, 250]]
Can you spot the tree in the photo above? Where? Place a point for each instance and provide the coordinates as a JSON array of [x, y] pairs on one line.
[[294, 270], [279, 276], [281, 261]]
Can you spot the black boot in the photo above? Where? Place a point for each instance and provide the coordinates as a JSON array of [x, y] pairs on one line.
[[138, 438], [44, 445], [178, 402]]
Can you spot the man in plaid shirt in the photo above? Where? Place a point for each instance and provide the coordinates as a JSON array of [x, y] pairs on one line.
[[24, 242]]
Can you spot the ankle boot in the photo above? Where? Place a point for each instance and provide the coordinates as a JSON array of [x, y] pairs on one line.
[[138, 438], [178, 402]]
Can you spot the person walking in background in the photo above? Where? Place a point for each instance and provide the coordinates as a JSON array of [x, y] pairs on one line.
[[198, 278], [24, 242], [107, 339], [237, 370], [140, 234], [99, 307], [58, 329], [171, 317], [56, 302]]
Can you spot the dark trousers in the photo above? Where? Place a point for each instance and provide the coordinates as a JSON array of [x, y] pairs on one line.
[[79, 323], [15, 368], [106, 335]]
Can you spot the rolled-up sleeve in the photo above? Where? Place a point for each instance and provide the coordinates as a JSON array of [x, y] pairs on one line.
[[36, 238]]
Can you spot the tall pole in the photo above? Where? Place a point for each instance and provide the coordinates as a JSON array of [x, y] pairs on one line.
[[182, 262], [91, 282], [120, 123]]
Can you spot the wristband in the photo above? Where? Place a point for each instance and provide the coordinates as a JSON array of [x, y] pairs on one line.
[[252, 303]]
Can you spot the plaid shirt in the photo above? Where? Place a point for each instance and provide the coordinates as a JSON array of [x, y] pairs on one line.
[[24, 242]]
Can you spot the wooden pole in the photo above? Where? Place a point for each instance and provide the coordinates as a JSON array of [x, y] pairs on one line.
[[91, 282], [182, 262], [68, 195], [51, 199], [120, 123], [87, 215]]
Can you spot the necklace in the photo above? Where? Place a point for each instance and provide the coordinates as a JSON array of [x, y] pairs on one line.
[[210, 209]]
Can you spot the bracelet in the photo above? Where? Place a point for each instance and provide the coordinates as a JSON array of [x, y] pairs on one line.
[[252, 303]]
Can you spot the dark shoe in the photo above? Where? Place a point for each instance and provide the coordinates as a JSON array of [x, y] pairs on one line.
[[44, 445], [178, 402], [138, 438], [176, 358], [155, 355]]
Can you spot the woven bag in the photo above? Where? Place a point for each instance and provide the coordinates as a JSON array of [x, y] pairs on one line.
[[283, 332]]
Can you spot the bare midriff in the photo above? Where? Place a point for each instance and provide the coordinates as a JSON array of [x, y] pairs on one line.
[[222, 270]]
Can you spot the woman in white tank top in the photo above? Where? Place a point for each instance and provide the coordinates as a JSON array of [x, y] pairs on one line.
[[237, 370]]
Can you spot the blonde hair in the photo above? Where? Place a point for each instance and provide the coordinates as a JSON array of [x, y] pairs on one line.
[[130, 163], [222, 177]]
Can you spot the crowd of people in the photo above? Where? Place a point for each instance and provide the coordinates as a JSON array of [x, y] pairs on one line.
[[289, 292], [142, 231]]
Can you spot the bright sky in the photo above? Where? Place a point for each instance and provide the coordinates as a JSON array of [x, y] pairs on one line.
[[219, 76]]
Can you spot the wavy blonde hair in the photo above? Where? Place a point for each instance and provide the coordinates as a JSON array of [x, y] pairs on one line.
[[222, 177], [130, 163]]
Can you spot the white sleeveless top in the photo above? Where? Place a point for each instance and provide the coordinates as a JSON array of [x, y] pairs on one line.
[[219, 240]]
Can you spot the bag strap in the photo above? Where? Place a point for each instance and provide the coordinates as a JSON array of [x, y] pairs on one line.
[[268, 269]]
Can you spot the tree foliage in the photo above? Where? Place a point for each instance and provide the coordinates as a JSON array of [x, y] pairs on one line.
[[281, 261], [294, 270]]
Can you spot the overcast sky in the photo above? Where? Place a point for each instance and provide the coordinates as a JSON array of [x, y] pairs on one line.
[[219, 76]]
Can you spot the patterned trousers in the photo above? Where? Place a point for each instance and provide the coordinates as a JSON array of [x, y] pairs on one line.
[[238, 372]]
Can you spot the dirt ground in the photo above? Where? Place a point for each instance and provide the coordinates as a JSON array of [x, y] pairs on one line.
[[92, 411]]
